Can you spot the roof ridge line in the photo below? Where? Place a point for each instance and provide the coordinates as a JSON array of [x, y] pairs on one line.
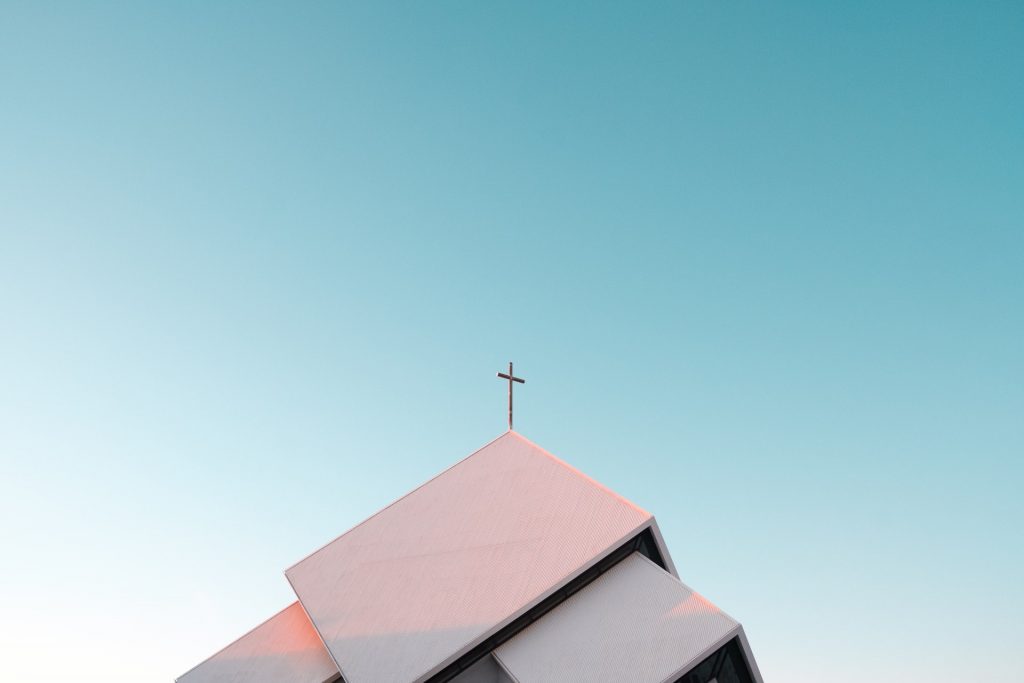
[[582, 475], [396, 500]]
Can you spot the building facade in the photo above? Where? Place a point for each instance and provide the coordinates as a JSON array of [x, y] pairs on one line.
[[508, 567]]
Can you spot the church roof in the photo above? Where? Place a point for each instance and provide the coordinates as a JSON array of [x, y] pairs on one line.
[[283, 648], [635, 622], [405, 593]]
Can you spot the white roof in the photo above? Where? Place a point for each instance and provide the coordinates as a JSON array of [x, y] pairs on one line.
[[283, 648], [634, 623], [409, 590]]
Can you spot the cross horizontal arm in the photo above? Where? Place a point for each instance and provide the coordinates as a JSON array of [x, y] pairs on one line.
[[514, 379]]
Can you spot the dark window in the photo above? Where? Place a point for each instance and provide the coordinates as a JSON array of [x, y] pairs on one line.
[[726, 665]]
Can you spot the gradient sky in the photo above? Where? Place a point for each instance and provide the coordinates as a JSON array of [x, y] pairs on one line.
[[762, 265]]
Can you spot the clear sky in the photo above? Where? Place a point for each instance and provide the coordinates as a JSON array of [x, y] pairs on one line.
[[762, 265]]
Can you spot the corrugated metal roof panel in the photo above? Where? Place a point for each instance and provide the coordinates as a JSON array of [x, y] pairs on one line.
[[634, 624], [416, 585], [283, 649]]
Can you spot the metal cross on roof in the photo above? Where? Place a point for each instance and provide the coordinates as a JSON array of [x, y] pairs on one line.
[[511, 378]]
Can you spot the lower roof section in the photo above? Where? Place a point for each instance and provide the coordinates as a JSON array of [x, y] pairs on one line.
[[283, 648], [636, 622]]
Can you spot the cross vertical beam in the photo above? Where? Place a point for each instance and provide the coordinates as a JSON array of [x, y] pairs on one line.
[[511, 378]]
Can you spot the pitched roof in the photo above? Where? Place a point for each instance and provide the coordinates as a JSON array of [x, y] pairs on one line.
[[635, 622], [283, 648], [409, 590]]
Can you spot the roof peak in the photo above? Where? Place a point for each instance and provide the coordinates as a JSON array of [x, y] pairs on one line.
[[443, 566]]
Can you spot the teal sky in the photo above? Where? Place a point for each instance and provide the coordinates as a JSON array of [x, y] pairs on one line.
[[762, 265]]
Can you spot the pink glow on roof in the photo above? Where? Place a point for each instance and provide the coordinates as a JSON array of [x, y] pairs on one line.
[[420, 582], [580, 474], [283, 648], [693, 604]]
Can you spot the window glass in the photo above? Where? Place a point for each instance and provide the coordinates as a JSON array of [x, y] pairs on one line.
[[725, 665]]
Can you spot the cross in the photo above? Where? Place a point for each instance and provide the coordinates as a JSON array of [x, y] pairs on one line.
[[511, 378]]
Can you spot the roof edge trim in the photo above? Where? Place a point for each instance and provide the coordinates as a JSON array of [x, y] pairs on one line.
[[580, 474]]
